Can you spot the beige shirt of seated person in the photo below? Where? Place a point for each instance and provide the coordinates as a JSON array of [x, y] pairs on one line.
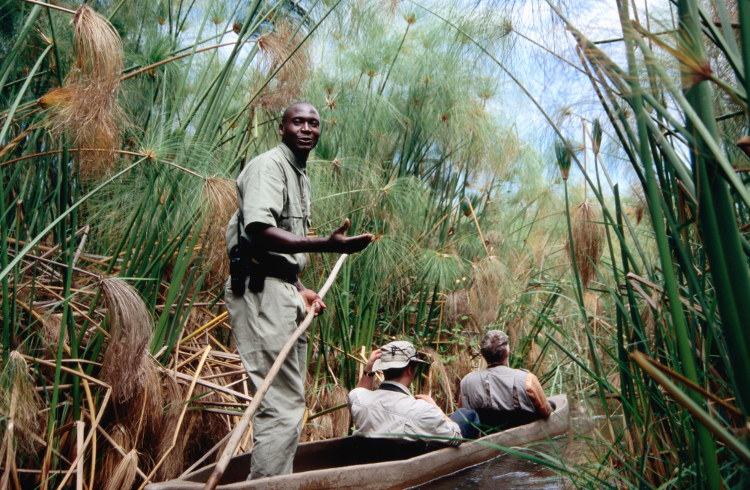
[[383, 413], [504, 388]]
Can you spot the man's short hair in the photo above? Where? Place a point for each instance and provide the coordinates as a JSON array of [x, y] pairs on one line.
[[493, 346], [394, 373], [288, 110]]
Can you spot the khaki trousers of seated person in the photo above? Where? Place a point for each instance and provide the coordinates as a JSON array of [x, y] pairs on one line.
[[261, 325]]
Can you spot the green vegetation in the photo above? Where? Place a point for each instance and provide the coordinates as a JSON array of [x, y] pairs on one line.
[[119, 143]]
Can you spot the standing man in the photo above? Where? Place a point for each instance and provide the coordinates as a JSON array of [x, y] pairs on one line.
[[503, 397], [267, 242]]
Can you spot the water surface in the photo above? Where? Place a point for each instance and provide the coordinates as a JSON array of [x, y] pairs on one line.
[[514, 473], [504, 472]]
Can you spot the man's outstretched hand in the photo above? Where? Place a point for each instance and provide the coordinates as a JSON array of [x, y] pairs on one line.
[[348, 245]]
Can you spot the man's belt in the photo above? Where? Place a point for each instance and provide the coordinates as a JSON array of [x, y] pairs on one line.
[[256, 280], [242, 267], [290, 278]]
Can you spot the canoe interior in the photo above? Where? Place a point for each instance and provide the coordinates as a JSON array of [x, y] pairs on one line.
[[352, 463], [323, 455]]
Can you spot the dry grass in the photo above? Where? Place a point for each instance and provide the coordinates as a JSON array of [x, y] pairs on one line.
[[439, 383], [126, 364], [490, 284], [124, 473], [476, 308], [172, 465], [458, 306], [51, 323], [286, 87], [57, 98], [19, 405], [143, 412], [218, 201], [534, 360], [86, 108], [588, 240], [332, 424], [98, 47], [112, 459]]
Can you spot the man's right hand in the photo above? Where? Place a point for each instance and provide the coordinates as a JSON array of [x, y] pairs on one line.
[[376, 354], [348, 245]]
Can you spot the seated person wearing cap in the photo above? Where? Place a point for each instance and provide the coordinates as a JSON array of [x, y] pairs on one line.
[[503, 397], [391, 409]]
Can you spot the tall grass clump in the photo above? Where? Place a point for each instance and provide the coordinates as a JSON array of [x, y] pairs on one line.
[[122, 128], [670, 372]]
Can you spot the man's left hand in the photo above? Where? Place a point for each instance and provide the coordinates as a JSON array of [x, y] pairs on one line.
[[312, 299]]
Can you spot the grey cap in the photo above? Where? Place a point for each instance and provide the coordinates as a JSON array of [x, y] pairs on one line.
[[396, 355]]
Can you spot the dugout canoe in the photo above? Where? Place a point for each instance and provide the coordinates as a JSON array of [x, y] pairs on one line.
[[344, 464]]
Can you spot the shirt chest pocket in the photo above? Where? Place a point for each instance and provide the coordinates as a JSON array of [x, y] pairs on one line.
[[292, 219]]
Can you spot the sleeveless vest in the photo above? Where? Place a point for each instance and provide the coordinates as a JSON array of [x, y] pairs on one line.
[[498, 388]]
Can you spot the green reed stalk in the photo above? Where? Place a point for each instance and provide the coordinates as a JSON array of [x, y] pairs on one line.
[[705, 442], [722, 239]]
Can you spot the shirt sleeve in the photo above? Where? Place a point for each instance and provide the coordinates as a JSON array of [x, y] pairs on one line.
[[536, 393], [435, 424], [263, 191]]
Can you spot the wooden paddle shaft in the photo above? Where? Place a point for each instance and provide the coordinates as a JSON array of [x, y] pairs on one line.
[[240, 428]]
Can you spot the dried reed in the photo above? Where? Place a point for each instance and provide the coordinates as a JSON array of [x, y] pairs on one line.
[[458, 307], [275, 47], [86, 108], [172, 465], [489, 287], [333, 424], [19, 405], [218, 201], [438, 383], [145, 408], [51, 326], [588, 241], [124, 474], [126, 360], [112, 459], [534, 362]]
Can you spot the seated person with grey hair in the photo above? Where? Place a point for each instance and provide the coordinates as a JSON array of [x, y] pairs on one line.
[[392, 412], [503, 397]]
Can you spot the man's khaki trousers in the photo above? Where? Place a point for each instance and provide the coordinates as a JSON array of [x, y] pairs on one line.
[[261, 325]]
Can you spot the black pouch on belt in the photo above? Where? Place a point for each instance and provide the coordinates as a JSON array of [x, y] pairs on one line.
[[252, 266], [237, 270]]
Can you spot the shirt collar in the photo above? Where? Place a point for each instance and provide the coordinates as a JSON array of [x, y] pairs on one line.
[[496, 365], [399, 386], [292, 159]]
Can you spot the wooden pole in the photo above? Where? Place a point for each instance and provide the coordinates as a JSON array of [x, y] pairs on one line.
[[240, 428], [79, 469]]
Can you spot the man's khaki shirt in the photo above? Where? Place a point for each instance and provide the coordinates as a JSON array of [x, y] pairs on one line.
[[388, 414], [274, 189]]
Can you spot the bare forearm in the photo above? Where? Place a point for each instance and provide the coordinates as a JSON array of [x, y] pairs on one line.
[[536, 394], [277, 240], [281, 241], [366, 382]]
